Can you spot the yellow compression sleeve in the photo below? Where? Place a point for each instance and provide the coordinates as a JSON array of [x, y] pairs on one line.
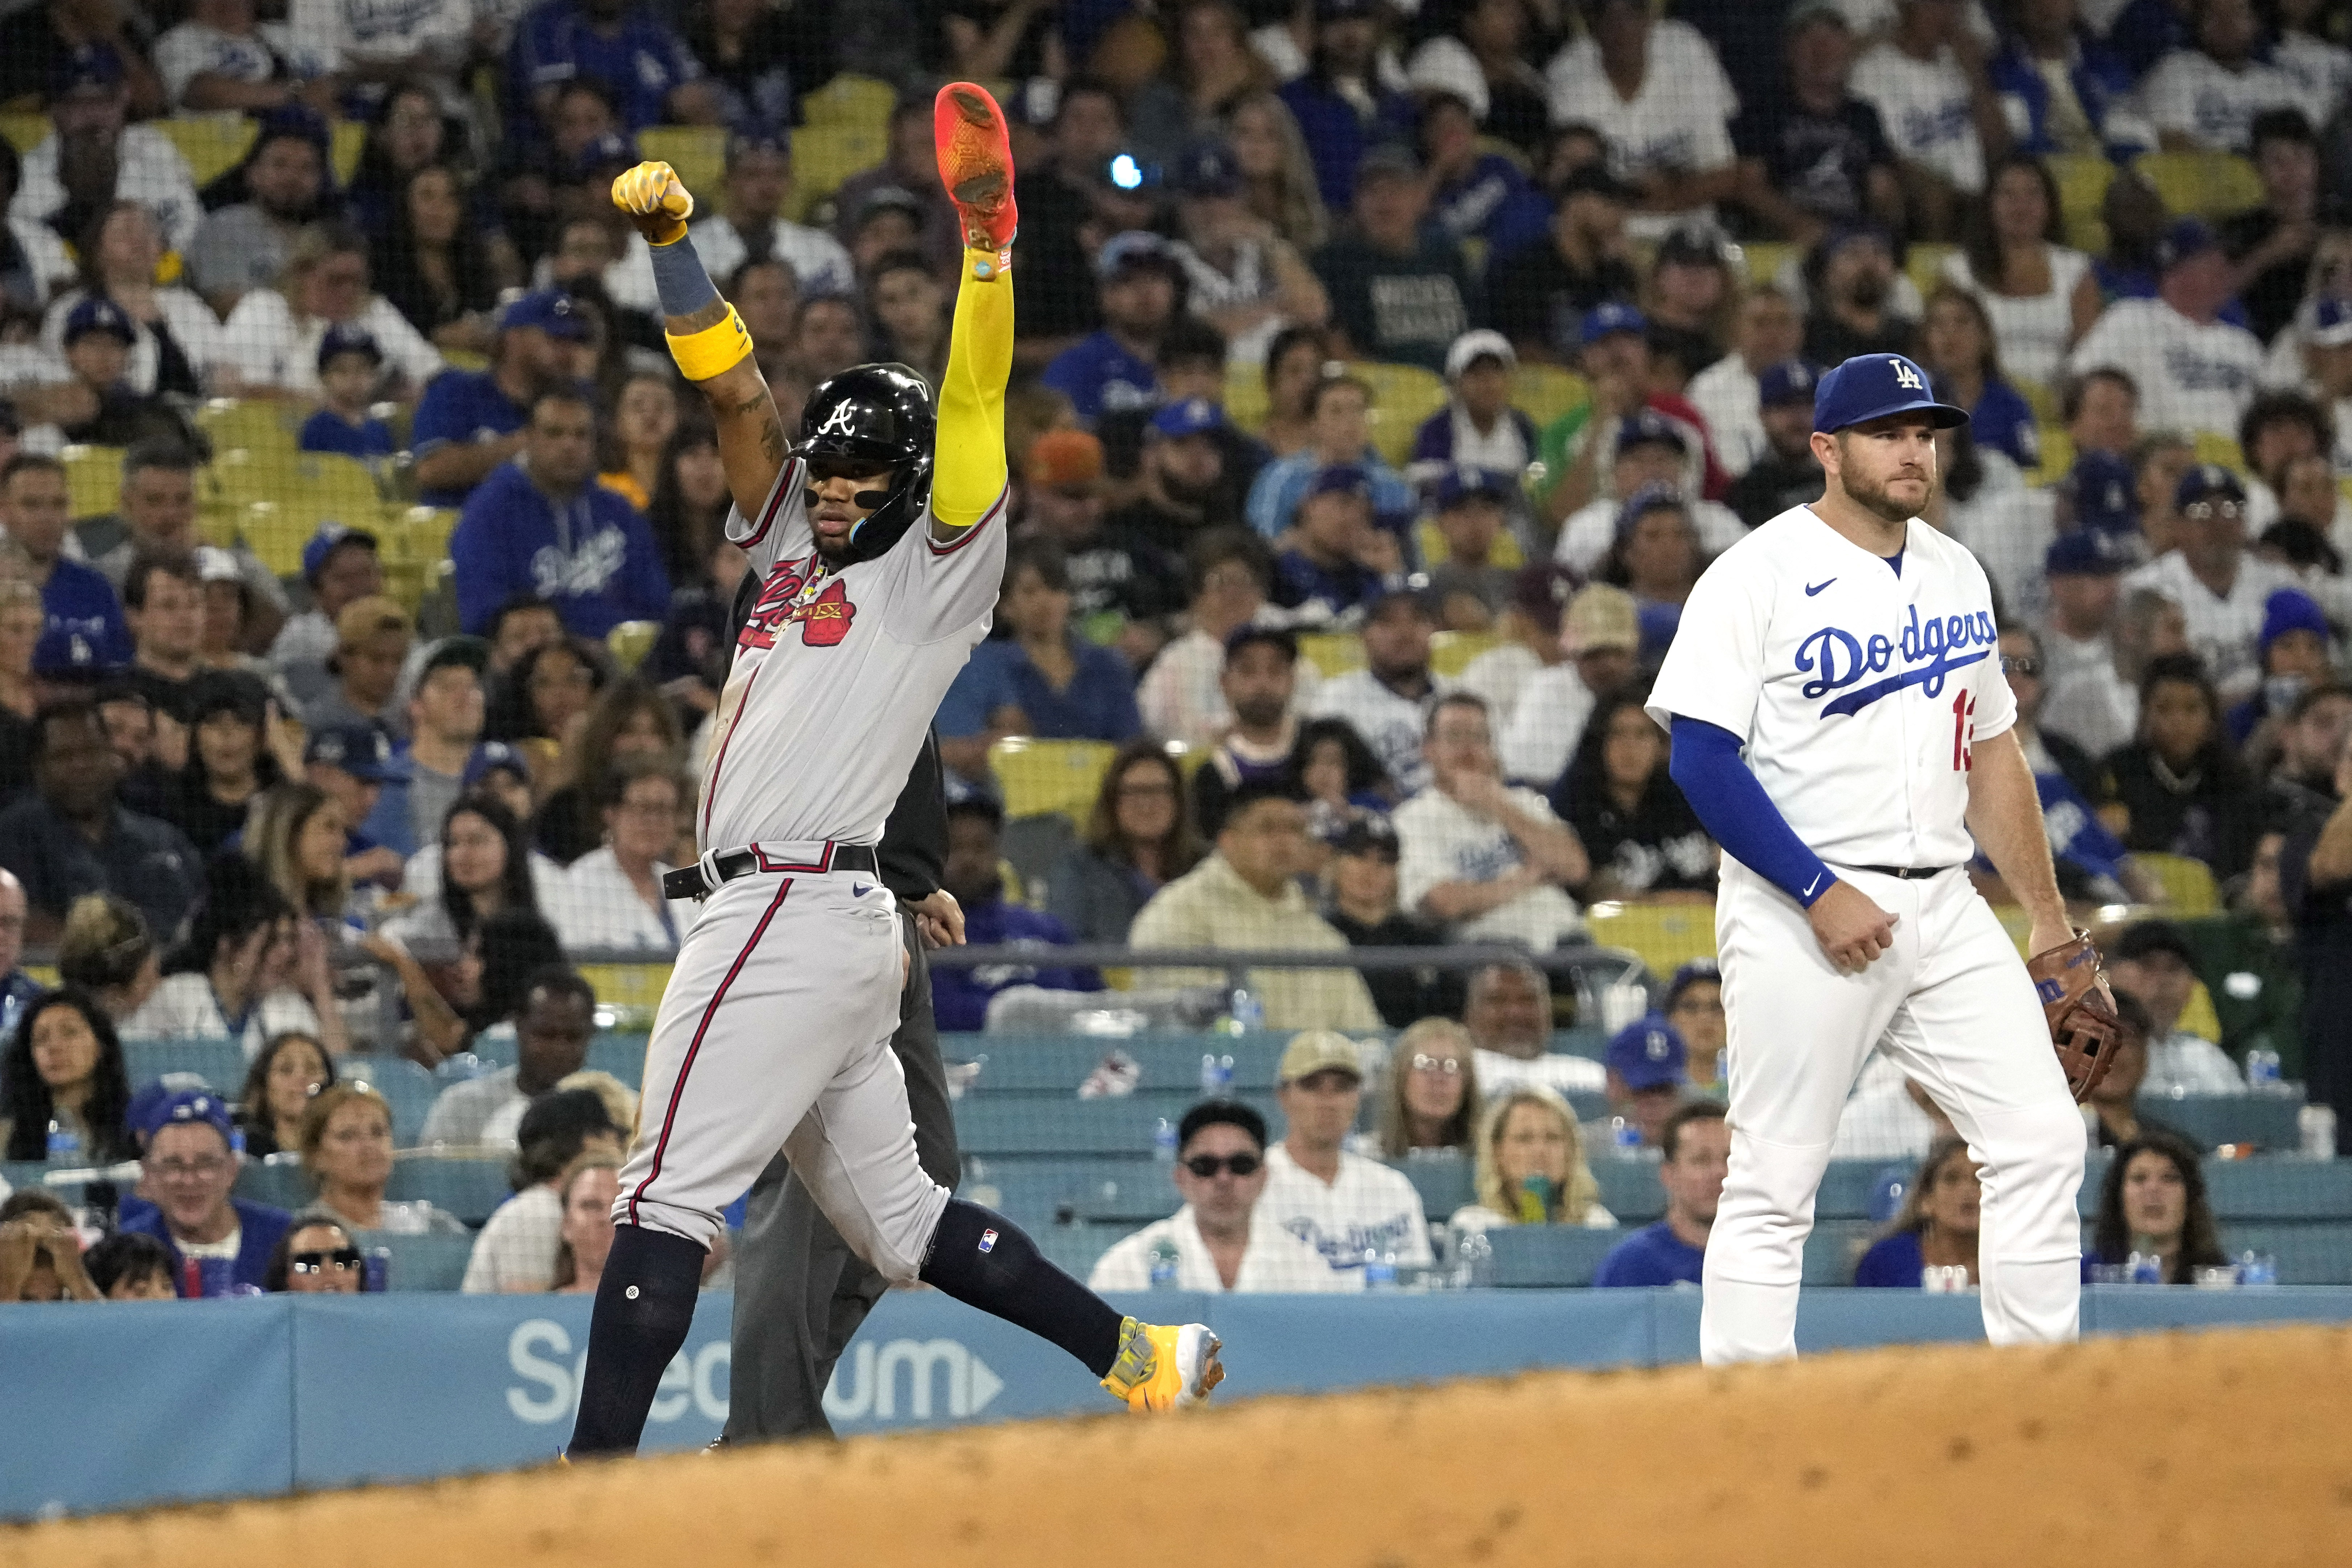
[[968, 472]]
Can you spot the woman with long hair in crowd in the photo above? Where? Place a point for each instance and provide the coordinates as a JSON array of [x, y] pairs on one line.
[[347, 1154], [1656, 557], [1957, 347], [2178, 788], [1936, 1226], [2153, 1202], [587, 1189], [746, 48], [289, 1070], [491, 981], [177, 338], [2038, 295], [22, 619], [1531, 1165], [637, 436], [481, 863], [229, 762], [1645, 840], [1294, 363], [435, 266], [270, 345], [247, 969], [315, 1257], [688, 513], [910, 311], [298, 835], [1429, 1097], [106, 951], [545, 694], [1139, 837], [1338, 776], [629, 720], [406, 133], [1277, 176], [1214, 66], [63, 1072]]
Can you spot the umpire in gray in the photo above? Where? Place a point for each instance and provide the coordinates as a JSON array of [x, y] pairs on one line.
[[799, 1291]]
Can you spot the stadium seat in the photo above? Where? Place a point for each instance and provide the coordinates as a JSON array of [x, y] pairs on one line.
[[467, 1187], [219, 1062], [1402, 396], [93, 479], [1925, 264], [212, 143], [1245, 401], [1001, 1124], [2266, 1121], [1446, 1181], [420, 1262], [2213, 446], [2057, 455], [2082, 189], [1434, 552], [1056, 1064], [22, 1174], [278, 503], [408, 1088], [25, 131], [279, 1181], [825, 155], [1628, 1186], [630, 988], [249, 425], [1544, 393], [1043, 1192], [1766, 258], [1833, 1248], [621, 1055], [630, 641], [1450, 652], [347, 139], [698, 153], [1538, 1257], [1665, 935], [851, 99], [1593, 1042], [1332, 652], [2188, 887], [1041, 776], [2305, 1254], [2208, 185]]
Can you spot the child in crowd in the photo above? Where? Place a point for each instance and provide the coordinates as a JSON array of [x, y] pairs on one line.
[[1337, 562], [351, 369]]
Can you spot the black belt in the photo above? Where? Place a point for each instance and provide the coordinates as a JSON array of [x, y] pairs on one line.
[[1907, 872], [691, 881]]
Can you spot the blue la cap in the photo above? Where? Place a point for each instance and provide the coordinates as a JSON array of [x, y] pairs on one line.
[[2331, 326], [2087, 552], [1135, 247], [193, 1105], [86, 68], [1650, 497], [1871, 386], [1340, 479], [1611, 316], [2204, 480], [1466, 482], [98, 314], [1696, 972], [488, 757], [1207, 168], [66, 653], [2101, 488], [1191, 416], [362, 750], [324, 543], [1646, 424], [1791, 380], [605, 149], [551, 311], [2184, 238], [2290, 609], [343, 337], [1649, 1053]]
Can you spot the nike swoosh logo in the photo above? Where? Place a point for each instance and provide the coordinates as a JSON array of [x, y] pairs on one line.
[[1812, 588], [859, 890], [1810, 887]]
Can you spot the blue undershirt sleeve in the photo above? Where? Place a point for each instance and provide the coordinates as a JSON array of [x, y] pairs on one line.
[[1706, 765]]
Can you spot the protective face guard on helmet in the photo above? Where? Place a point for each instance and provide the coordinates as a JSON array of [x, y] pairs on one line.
[[874, 418]]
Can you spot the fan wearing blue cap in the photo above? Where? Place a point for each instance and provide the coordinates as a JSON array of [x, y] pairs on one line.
[[469, 422], [1339, 563], [1589, 466], [2295, 648], [2196, 369], [193, 1155], [98, 338], [1648, 1065], [1788, 474], [1142, 286], [1843, 726], [351, 373], [1482, 557]]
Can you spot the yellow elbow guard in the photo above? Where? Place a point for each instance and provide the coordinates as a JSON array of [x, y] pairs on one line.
[[713, 351]]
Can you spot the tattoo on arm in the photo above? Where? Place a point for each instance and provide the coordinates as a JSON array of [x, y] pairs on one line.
[[771, 428]]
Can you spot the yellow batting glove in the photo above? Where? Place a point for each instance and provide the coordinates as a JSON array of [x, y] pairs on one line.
[[657, 201]]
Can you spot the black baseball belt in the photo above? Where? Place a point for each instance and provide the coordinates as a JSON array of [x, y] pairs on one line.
[[1907, 872], [706, 875]]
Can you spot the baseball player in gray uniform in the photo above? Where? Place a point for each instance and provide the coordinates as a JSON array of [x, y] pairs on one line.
[[879, 540]]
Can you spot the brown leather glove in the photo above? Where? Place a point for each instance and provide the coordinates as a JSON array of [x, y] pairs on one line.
[[2083, 1026]]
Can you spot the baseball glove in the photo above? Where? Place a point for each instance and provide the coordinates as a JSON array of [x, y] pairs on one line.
[[2083, 1025]]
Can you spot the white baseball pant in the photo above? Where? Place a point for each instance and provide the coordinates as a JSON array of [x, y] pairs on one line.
[[775, 1033], [1951, 1004]]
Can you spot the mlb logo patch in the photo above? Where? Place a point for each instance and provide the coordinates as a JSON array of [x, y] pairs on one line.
[[987, 1241]]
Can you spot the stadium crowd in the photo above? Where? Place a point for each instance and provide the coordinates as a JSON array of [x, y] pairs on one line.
[[1388, 374]]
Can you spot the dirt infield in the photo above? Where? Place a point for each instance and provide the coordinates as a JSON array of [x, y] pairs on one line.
[[2221, 1447]]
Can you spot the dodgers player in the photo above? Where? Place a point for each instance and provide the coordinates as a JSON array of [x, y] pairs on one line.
[[879, 544], [1849, 650]]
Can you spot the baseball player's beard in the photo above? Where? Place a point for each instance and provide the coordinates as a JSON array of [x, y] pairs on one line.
[[1878, 499]]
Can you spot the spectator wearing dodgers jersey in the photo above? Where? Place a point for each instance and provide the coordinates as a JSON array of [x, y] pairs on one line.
[[2221, 587], [1670, 136], [1344, 1206], [1927, 82], [2195, 372], [1818, 155], [2205, 98]]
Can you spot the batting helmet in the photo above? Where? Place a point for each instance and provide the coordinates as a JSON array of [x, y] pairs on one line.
[[877, 414]]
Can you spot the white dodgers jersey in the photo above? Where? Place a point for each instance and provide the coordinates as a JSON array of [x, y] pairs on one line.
[[838, 674], [1859, 690]]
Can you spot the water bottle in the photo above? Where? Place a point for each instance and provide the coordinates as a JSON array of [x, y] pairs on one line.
[[2317, 1126], [375, 1270], [1380, 1269], [1164, 1142], [2146, 1268], [1248, 1013], [1163, 1264], [2257, 1268], [2263, 1070], [65, 1144], [1216, 1075], [1625, 1138], [1473, 1260]]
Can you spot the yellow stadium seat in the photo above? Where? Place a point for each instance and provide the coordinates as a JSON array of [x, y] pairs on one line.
[[2202, 185], [1245, 399], [2083, 179], [2057, 454], [249, 425], [633, 986], [698, 153], [1434, 551], [1925, 264], [2039, 398], [1402, 396], [24, 132], [1665, 935], [2189, 888], [417, 533], [851, 99], [825, 155], [1332, 652], [279, 502], [346, 139], [93, 478], [212, 143], [630, 641], [1450, 652], [1766, 258], [1045, 776], [2213, 446], [1544, 393]]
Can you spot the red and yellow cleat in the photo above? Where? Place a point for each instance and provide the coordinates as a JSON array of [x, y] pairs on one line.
[[976, 166], [1164, 1367]]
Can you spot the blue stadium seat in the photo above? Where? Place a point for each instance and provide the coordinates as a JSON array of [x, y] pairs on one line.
[[1042, 1124], [621, 1055], [1076, 1249], [21, 1174], [280, 1183], [1543, 1256], [2278, 1188], [466, 1187], [1446, 1181], [1587, 1042], [1833, 1248], [1037, 1192], [2266, 1121], [2306, 1254], [422, 1262], [1058, 1063], [406, 1087], [1629, 1187], [219, 1062]]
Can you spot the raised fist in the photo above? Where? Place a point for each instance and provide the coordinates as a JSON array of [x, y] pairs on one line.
[[657, 201]]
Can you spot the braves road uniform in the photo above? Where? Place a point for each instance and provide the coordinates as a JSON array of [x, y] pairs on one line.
[[775, 1028], [1859, 687]]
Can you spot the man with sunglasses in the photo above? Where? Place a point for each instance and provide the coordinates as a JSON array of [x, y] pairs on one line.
[[2224, 591], [1223, 1238], [878, 542]]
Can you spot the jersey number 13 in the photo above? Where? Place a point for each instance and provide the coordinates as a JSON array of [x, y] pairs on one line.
[[1964, 731]]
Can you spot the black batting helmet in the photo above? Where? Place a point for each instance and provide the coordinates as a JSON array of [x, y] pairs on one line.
[[878, 414]]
